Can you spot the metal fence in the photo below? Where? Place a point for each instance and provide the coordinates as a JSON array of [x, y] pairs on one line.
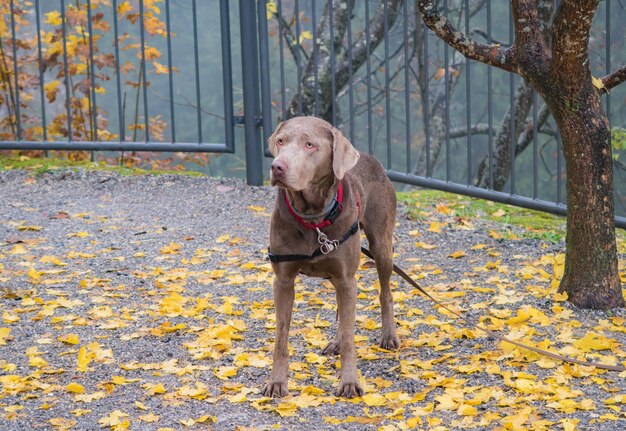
[[217, 76]]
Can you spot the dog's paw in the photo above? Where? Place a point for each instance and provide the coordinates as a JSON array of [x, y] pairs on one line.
[[349, 390], [390, 342], [331, 349], [275, 389]]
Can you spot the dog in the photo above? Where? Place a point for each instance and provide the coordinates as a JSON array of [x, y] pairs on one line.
[[327, 190]]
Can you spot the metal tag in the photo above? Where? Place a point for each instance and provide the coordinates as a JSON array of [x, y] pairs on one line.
[[326, 245]]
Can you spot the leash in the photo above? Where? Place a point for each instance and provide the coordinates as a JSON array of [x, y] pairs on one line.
[[473, 325]]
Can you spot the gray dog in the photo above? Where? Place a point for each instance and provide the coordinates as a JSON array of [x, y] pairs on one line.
[[327, 189]]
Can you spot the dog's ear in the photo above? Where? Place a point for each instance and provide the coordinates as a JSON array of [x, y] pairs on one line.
[[271, 141], [345, 156]]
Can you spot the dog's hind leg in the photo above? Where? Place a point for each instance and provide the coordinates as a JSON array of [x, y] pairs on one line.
[[380, 242]]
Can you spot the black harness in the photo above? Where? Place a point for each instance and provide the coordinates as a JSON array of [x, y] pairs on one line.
[[293, 257]]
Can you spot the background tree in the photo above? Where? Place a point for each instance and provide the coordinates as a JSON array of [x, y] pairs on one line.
[[328, 65], [326, 70], [558, 69]]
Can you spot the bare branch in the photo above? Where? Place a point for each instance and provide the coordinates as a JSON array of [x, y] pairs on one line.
[[476, 129], [360, 48], [483, 33], [615, 78], [494, 55], [290, 38]]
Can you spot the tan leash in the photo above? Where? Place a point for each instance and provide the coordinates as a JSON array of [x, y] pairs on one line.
[[473, 325]]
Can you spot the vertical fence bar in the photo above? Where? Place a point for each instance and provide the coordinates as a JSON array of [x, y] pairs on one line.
[[266, 102], [490, 101], [298, 55], [18, 115], [42, 95], [227, 76], [512, 107], [250, 77], [387, 83], [407, 87], [68, 98], [143, 72], [196, 59], [350, 76], [333, 89], [468, 99], [316, 97], [281, 57], [368, 69], [120, 109], [92, 75], [559, 167], [446, 82], [607, 55], [535, 147], [427, 101], [170, 75]]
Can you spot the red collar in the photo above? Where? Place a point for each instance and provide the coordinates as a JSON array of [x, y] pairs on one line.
[[330, 216]]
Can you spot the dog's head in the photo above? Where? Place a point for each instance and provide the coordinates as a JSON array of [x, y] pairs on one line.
[[307, 150]]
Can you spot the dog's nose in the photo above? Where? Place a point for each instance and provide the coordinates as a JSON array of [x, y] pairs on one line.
[[279, 168]]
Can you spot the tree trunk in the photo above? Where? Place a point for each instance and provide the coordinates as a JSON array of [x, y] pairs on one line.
[[591, 279]]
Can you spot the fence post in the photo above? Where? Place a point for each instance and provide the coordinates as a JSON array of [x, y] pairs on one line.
[[251, 105]]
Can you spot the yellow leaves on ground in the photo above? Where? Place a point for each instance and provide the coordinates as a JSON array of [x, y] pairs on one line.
[[172, 248], [117, 420], [425, 246], [75, 388], [92, 352], [259, 210], [211, 303], [4, 336], [592, 341]]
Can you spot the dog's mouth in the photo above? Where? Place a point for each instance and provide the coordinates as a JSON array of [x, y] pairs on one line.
[[278, 183]]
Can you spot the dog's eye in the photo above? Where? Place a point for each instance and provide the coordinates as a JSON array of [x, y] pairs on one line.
[[279, 142], [309, 145]]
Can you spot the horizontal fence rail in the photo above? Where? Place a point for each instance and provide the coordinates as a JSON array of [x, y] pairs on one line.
[[142, 75]]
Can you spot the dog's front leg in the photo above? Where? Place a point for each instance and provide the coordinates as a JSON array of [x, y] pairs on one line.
[[349, 385], [283, 303]]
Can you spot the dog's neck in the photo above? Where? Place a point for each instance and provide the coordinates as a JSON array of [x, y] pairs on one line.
[[314, 200]]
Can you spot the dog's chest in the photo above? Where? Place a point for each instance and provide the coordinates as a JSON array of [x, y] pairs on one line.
[[315, 270]]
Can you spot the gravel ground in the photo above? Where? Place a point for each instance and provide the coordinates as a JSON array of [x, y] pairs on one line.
[[144, 303]]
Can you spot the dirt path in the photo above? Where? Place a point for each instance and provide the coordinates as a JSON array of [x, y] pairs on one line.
[[144, 303]]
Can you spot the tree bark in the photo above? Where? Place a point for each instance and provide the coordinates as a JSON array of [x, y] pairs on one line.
[[591, 278]]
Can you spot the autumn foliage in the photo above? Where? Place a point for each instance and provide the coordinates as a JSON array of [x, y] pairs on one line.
[[80, 64]]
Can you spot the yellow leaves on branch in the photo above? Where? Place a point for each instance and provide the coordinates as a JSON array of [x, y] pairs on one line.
[[53, 18], [124, 8]]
